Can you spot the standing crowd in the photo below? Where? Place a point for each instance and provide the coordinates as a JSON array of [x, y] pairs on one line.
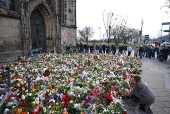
[[142, 51]]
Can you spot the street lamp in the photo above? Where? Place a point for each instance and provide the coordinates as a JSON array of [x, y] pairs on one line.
[[141, 30], [100, 33], [161, 36]]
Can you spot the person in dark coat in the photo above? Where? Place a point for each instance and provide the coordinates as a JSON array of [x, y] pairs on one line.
[[125, 49], [97, 48], [100, 49], [81, 47], [166, 52], [91, 48], [104, 48], [146, 97], [120, 49], [108, 49], [141, 51], [88, 48], [85, 48], [112, 48]]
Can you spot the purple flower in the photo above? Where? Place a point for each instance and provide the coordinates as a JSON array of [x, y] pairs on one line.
[[52, 97], [90, 101], [4, 85], [2, 89]]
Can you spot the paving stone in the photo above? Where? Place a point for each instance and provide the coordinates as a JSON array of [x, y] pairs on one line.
[[154, 112], [160, 99], [160, 111], [140, 112], [166, 109], [167, 104], [158, 94], [153, 106], [160, 104], [131, 112], [167, 98]]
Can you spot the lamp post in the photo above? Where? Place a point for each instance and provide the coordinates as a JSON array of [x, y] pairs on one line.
[[141, 31], [161, 36], [100, 33], [103, 39]]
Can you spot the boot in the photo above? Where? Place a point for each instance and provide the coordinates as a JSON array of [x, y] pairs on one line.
[[142, 107]]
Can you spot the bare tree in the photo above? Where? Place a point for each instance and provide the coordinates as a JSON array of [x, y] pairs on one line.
[[109, 20], [167, 4], [86, 33], [119, 30]]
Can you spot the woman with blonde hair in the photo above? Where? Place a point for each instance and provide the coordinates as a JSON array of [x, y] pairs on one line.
[[142, 95]]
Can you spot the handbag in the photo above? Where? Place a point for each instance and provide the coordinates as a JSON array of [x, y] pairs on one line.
[[136, 98]]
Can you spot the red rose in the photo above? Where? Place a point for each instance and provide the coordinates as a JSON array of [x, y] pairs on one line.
[[87, 105]]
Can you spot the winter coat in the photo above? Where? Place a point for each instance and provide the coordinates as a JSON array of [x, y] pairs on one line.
[[144, 93], [136, 50], [141, 49]]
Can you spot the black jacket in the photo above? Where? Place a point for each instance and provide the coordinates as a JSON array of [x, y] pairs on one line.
[[141, 49]]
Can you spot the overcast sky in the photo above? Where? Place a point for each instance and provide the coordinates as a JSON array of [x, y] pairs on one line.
[[89, 13]]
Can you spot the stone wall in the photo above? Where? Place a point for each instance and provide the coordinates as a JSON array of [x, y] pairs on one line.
[[10, 39], [68, 36]]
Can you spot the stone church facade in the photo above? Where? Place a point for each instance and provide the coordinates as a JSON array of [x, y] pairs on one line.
[[30, 24]]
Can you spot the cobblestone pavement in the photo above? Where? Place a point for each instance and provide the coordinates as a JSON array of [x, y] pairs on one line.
[[157, 75]]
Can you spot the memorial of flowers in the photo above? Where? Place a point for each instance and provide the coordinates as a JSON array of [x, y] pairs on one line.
[[67, 84]]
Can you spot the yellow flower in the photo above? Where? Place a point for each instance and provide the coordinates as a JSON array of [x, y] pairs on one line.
[[44, 111], [51, 91], [56, 86]]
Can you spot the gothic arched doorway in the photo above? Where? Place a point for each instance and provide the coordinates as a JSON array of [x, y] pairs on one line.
[[38, 34]]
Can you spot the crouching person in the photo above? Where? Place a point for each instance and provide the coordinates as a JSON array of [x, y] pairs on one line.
[[142, 95]]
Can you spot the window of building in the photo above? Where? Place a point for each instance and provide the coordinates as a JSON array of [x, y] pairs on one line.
[[7, 4], [3, 4], [11, 5]]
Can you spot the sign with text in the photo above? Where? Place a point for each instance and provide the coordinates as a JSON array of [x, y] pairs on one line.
[[166, 30], [146, 37], [166, 23]]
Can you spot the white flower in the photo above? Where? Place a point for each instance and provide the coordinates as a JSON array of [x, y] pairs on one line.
[[12, 98], [29, 94], [75, 105], [117, 101], [33, 102], [71, 101], [79, 95], [23, 97], [37, 102], [44, 108], [49, 107], [10, 103]]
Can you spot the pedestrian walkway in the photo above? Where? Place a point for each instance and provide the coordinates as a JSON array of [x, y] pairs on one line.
[[157, 75]]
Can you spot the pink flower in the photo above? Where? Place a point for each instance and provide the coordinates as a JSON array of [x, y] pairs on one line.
[[61, 96]]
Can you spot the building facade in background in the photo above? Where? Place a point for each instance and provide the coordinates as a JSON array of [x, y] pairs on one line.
[[30, 24]]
